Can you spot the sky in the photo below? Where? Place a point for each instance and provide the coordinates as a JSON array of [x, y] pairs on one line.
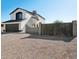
[[51, 10]]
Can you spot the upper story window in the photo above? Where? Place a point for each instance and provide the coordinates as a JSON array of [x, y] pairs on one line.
[[2, 25], [19, 16]]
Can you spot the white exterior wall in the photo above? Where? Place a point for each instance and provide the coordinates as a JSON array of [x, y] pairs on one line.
[[31, 26], [2, 28], [34, 29], [24, 22], [31, 22], [41, 19], [13, 15]]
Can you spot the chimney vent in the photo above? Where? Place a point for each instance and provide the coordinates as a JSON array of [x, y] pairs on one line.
[[34, 12]]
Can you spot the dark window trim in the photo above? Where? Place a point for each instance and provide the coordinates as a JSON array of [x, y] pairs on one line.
[[19, 17]]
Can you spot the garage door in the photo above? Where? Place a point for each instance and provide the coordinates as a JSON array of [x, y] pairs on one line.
[[12, 27]]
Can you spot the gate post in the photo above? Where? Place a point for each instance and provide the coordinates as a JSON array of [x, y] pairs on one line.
[[74, 24], [40, 30]]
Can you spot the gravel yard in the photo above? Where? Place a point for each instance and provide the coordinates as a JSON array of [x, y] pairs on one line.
[[26, 46]]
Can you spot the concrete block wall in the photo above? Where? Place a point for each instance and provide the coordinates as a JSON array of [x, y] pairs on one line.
[[31, 30]]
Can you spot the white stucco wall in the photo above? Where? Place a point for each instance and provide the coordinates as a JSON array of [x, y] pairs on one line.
[[24, 22], [3, 28], [33, 25], [35, 21], [13, 15], [41, 19], [31, 22]]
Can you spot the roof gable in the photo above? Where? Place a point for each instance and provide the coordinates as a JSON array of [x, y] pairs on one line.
[[20, 9], [26, 11]]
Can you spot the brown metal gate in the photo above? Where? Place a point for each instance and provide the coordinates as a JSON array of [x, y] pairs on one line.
[[57, 29]]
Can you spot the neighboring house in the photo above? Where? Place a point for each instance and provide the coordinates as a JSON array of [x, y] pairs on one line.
[[23, 21]]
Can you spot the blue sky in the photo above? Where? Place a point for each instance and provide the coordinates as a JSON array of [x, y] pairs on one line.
[[64, 10]]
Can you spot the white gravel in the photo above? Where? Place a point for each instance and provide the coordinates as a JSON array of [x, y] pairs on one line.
[[26, 46]]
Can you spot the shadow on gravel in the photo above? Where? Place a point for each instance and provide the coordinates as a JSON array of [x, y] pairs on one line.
[[4, 33], [46, 37], [8, 32]]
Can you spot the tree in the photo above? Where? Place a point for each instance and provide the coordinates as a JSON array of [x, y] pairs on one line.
[[58, 22], [57, 27]]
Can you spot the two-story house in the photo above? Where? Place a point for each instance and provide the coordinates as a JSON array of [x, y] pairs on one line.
[[23, 21]]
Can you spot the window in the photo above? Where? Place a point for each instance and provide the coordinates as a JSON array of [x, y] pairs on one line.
[[19, 16], [37, 26], [33, 25], [2, 25]]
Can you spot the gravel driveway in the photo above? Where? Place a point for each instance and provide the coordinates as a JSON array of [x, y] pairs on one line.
[[26, 46]]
